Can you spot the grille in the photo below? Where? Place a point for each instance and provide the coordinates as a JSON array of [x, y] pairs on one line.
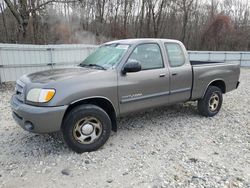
[[20, 90]]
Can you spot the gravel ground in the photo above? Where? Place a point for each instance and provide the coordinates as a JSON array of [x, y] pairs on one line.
[[164, 147]]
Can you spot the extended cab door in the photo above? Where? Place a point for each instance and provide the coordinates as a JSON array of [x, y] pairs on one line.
[[180, 72], [148, 87]]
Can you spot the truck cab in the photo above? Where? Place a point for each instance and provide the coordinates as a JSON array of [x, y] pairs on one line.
[[165, 76]]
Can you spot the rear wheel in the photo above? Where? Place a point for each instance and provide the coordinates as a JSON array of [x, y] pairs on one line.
[[210, 105], [86, 128]]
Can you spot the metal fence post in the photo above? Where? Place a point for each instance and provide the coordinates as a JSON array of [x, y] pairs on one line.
[[0, 70], [51, 63], [241, 55], [51, 58]]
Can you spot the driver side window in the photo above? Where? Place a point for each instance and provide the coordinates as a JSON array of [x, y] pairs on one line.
[[149, 55]]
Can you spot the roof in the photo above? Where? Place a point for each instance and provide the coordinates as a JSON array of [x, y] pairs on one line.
[[141, 40]]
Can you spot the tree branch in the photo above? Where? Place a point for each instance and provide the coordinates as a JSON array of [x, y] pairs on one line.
[[51, 1], [14, 11]]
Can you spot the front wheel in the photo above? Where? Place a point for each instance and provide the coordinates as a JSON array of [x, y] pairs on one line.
[[210, 105], [86, 128]]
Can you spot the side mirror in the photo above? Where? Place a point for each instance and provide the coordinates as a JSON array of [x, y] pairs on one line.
[[131, 66]]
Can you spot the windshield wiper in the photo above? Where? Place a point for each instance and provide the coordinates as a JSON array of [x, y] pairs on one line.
[[93, 65]]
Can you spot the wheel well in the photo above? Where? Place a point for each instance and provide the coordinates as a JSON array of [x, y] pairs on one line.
[[220, 84], [105, 104]]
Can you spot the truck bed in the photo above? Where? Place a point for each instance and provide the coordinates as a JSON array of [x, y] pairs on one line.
[[206, 72]]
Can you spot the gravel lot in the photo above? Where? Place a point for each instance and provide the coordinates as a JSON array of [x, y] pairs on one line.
[[165, 147]]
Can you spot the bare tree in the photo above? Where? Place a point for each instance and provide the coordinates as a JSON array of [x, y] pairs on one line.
[[185, 6], [4, 21], [22, 10], [192, 21]]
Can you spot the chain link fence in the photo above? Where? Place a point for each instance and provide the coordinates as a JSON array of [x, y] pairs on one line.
[[242, 57], [17, 60]]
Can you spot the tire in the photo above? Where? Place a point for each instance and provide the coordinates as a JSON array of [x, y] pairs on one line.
[[86, 128], [211, 103]]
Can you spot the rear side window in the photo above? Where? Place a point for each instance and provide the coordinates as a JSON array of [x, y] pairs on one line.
[[176, 56], [149, 55]]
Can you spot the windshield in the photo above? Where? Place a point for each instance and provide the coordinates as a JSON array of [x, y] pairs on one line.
[[105, 57]]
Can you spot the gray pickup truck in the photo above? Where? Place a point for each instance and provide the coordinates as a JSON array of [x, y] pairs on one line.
[[119, 78]]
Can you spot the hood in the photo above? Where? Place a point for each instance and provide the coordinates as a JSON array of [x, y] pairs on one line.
[[72, 84], [55, 75]]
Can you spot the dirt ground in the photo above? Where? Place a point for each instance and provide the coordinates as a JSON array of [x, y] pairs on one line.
[[165, 147]]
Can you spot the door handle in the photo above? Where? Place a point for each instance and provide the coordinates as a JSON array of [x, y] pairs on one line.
[[174, 74], [162, 75]]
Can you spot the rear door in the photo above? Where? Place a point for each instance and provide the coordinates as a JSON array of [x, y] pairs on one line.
[[148, 87], [180, 73]]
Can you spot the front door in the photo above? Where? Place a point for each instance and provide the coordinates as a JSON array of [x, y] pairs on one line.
[[148, 87]]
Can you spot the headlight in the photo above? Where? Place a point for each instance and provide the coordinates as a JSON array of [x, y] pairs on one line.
[[40, 95]]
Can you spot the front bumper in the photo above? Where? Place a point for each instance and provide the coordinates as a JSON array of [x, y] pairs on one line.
[[37, 119]]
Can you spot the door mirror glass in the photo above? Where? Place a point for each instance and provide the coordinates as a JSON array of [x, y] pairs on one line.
[[132, 66]]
